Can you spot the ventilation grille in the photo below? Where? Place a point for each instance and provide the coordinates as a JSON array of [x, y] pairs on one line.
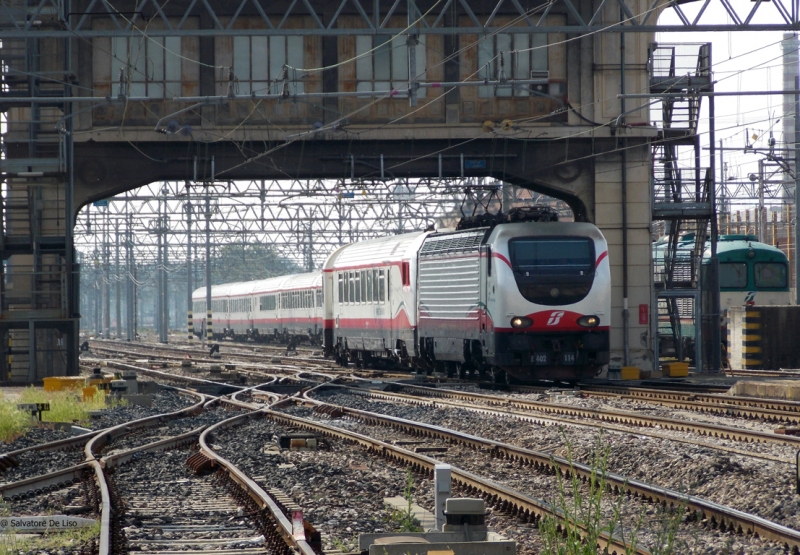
[[452, 243]]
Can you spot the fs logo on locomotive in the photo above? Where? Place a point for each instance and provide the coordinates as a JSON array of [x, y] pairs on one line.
[[555, 317]]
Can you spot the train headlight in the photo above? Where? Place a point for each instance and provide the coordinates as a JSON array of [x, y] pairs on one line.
[[589, 321], [521, 322]]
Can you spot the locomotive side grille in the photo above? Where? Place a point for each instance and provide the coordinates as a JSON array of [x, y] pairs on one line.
[[452, 243], [449, 288]]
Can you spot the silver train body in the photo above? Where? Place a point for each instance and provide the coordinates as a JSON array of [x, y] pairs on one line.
[[527, 300], [521, 300], [281, 309]]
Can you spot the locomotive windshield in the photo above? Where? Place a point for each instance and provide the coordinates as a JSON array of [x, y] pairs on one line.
[[733, 274], [553, 270], [770, 274]]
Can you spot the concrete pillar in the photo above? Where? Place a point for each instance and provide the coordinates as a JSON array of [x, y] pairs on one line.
[[640, 271]]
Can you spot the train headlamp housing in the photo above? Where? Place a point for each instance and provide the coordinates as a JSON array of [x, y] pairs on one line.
[[518, 322], [589, 321]]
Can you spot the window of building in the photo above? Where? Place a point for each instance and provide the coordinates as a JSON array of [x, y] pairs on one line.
[[152, 65], [525, 64], [386, 67], [258, 62]]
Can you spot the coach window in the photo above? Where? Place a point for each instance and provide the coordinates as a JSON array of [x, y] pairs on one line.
[[382, 285], [370, 298], [351, 297], [341, 288], [364, 286], [319, 298], [357, 285]]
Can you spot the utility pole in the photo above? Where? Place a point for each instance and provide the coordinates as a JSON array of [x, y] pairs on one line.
[[209, 321], [106, 279], [761, 201], [117, 305], [163, 245], [189, 308], [130, 304]]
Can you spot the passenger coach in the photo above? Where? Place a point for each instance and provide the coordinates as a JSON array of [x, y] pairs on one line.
[[278, 309]]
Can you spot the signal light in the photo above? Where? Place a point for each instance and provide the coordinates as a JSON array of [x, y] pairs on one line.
[[521, 322]]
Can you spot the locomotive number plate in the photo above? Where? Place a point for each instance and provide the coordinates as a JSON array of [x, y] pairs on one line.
[[541, 359], [567, 358]]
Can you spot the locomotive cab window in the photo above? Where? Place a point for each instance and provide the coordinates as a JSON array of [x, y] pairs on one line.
[[770, 274], [733, 275], [553, 270]]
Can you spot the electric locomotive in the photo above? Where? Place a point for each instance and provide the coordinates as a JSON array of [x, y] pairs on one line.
[[515, 296]]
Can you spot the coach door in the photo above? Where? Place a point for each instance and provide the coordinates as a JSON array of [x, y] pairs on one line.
[[485, 273]]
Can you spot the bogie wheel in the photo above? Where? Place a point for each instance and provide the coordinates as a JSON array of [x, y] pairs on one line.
[[498, 375]]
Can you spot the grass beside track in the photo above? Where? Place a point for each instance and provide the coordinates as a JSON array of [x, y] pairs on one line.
[[65, 406], [72, 541]]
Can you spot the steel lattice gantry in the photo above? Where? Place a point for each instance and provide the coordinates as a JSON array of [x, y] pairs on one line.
[[101, 96], [477, 17], [129, 242]]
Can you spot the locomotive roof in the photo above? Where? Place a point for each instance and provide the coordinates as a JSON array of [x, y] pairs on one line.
[[376, 251], [729, 247], [262, 286]]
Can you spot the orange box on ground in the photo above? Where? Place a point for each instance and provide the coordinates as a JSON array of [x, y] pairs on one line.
[[629, 373], [60, 383], [675, 369]]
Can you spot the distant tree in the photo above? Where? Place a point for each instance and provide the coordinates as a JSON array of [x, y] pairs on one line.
[[247, 262]]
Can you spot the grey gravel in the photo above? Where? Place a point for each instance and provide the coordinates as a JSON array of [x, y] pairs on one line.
[[583, 444]]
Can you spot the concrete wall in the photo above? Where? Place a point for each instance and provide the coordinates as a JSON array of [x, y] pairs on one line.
[[608, 194], [763, 337]]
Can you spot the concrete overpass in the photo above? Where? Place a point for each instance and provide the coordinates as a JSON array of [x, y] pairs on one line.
[[102, 97]]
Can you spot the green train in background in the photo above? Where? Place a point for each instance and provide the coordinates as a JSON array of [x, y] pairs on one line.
[[750, 274]]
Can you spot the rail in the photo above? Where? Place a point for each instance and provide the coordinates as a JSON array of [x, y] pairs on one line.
[[722, 516]]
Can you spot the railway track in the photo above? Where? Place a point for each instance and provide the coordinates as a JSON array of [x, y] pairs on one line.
[[732, 408], [719, 516], [143, 503], [512, 502], [774, 410], [199, 354]]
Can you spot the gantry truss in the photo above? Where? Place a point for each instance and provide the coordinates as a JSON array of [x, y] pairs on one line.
[[302, 221], [430, 17]]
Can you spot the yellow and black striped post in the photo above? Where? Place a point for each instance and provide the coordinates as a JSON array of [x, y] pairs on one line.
[[751, 339], [209, 330], [190, 325]]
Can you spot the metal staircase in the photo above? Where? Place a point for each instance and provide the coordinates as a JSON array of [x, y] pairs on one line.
[[681, 195], [38, 328]]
